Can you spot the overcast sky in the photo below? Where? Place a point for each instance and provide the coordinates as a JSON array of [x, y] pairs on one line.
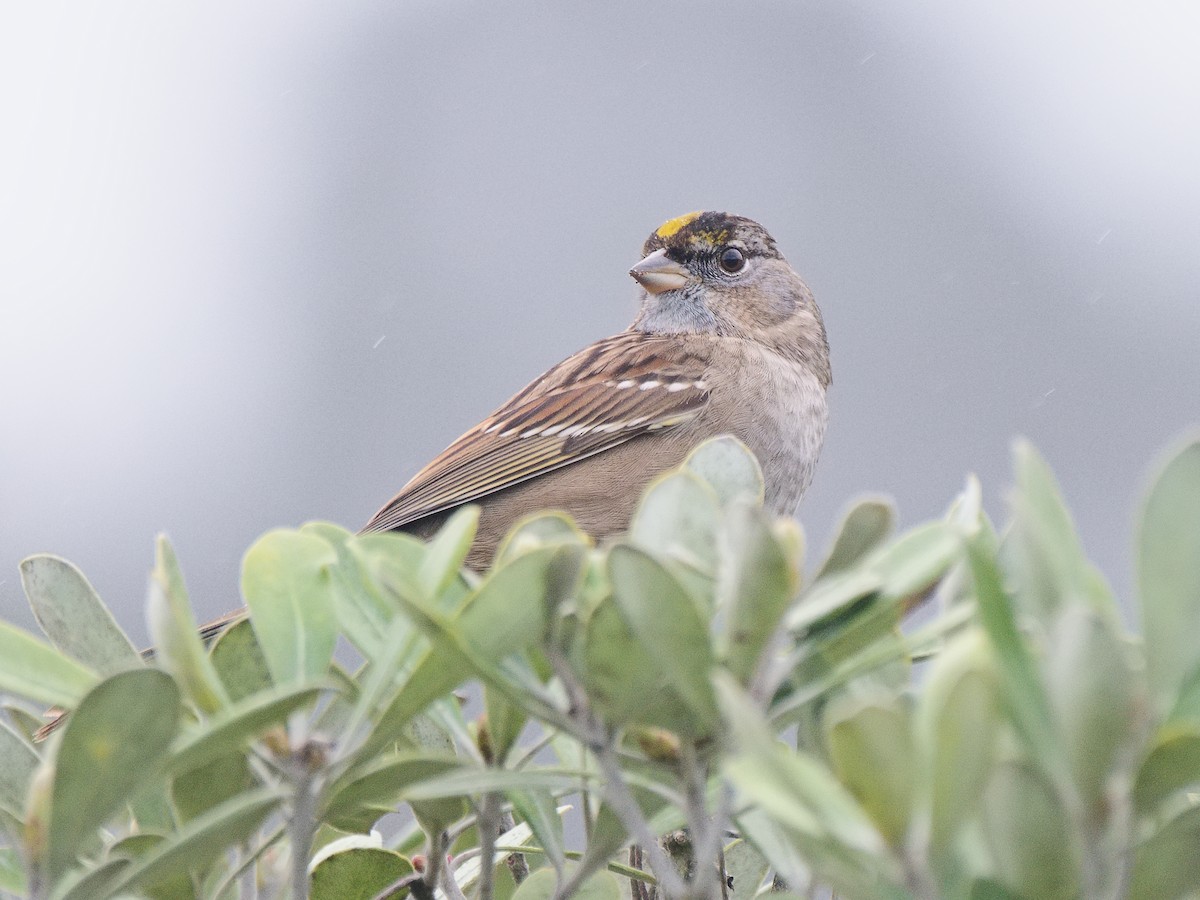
[[260, 261]]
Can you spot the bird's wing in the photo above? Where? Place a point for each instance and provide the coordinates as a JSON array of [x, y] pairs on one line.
[[613, 391]]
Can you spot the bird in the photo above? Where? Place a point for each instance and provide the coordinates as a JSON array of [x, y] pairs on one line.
[[727, 340]]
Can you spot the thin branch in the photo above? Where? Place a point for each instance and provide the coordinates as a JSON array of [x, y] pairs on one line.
[[488, 827]]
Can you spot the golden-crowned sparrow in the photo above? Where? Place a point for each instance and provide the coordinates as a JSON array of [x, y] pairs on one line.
[[728, 340]]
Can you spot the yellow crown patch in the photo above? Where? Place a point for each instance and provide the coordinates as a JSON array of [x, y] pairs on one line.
[[672, 226]]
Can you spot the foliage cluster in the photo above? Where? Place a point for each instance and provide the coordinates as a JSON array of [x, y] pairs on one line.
[[716, 724]]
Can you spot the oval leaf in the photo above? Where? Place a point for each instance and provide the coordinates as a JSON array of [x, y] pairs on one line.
[[287, 584], [73, 616], [114, 742]]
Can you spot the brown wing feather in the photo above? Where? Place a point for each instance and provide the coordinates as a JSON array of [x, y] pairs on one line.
[[585, 405]]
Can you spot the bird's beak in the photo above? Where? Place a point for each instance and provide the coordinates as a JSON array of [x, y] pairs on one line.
[[656, 273]]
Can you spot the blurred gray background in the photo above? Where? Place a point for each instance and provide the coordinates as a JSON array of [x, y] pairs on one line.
[[260, 261]]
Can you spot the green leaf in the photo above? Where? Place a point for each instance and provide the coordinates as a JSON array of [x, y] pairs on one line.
[[73, 616], [206, 786], [542, 884], [677, 519], [746, 869], [538, 530], [114, 742], [32, 669], [379, 785], [18, 761], [756, 580], [727, 466], [867, 524], [789, 786], [1168, 574], [871, 746], [1044, 555], [1026, 697], [625, 682], [12, 873], [233, 727], [361, 611], [239, 662], [507, 613], [193, 847], [287, 584], [359, 873], [1165, 863], [667, 622], [539, 812], [173, 629], [1094, 693], [914, 562], [1029, 834], [959, 720], [1172, 765], [447, 552]]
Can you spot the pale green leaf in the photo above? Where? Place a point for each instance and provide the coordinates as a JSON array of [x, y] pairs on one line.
[[32, 669], [866, 525], [73, 616], [173, 628], [115, 740], [1168, 574], [287, 585], [727, 466]]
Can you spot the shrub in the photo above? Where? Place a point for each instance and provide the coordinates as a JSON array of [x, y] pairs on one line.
[[706, 721]]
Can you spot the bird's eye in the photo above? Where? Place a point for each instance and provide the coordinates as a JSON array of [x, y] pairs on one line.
[[732, 260]]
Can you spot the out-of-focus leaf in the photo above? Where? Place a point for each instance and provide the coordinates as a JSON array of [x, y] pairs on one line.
[[18, 761], [534, 532], [24, 722], [382, 783], [866, 525], [87, 884], [1093, 691], [505, 615], [959, 717], [360, 609], [201, 840], [114, 741], [210, 784], [360, 873], [542, 884], [914, 562], [831, 597], [727, 466], [32, 669], [239, 662], [503, 723], [624, 681], [746, 868], [234, 726], [287, 583], [1168, 547], [1023, 690], [1164, 864], [173, 629], [1172, 764], [677, 519], [73, 616], [667, 621], [756, 580], [447, 551], [1030, 837], [789, 786], [987, 889], [136, 846], [872, 750], [12, 873], [1042, 551], [538, 810]]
